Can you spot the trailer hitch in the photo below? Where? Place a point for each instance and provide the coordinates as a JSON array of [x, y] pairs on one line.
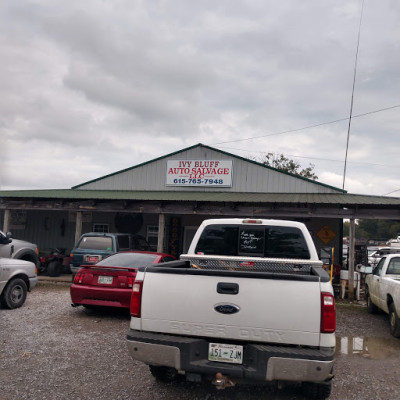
[[221, 382]]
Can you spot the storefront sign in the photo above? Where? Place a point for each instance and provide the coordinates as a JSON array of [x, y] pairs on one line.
[[192, 173]]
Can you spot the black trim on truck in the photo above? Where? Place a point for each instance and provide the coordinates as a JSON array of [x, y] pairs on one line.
[[261, 362], [317, 274]]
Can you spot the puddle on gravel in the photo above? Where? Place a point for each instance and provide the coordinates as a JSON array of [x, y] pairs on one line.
[[368, 347]]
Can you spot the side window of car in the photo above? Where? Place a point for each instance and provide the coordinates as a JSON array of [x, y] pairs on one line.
[[394, 267], [378, 268]]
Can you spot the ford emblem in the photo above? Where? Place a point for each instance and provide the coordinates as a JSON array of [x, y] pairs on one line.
[[226, 308]]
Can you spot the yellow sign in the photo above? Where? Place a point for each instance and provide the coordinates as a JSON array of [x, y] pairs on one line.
[[326, 234]]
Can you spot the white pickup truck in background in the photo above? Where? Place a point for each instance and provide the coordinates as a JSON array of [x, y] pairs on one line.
[[250, 302], [382, 288]]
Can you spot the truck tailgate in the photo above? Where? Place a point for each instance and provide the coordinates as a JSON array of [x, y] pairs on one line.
[[285, 311]]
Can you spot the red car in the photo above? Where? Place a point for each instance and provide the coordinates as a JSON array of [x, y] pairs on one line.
[[109, 282]]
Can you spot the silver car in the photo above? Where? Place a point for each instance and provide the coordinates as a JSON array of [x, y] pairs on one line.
[[17, 278]]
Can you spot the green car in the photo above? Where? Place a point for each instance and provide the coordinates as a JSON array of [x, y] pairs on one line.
[[93, 247]]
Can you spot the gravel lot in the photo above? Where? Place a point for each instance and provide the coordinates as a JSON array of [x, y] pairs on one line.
[[50, 350]]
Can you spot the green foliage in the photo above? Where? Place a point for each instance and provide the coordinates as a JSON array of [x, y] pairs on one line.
[[374, 229], [283, 163], [346, 228]]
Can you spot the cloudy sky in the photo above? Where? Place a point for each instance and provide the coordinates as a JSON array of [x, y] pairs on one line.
[[92, 87]]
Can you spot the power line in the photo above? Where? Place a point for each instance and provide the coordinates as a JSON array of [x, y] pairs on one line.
[[314, 158], [393, 191], [308, 127]]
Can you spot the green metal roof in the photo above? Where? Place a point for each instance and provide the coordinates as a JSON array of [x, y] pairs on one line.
[[227, 197]]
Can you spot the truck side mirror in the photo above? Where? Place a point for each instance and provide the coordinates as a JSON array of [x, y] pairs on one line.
[[7, 239]]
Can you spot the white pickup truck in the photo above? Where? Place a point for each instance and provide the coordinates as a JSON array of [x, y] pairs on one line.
[[250, 302], [383, 290]]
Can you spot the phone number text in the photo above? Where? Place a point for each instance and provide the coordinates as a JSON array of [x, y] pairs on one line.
[[190, 181]]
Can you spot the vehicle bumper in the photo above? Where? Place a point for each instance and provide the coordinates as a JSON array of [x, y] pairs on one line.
[[95, 296], [32, 282], [73, 269], [261, 362]]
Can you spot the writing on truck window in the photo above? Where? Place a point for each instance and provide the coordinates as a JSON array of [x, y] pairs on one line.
[[270, 241], [251, 241]]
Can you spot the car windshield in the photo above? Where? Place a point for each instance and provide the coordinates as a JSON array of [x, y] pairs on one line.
[[96, 243], [127, 260]]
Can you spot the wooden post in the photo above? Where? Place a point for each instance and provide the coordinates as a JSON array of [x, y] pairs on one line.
[[78, 226], [161, 233], [7, 218], [352, 249]]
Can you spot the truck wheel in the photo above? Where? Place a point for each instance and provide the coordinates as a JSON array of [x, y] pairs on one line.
[[371, 307], [164, 374], [394, 321], [14, 294], [54, 268], [313, 390]]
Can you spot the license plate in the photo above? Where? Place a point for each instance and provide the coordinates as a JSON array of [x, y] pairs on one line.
[[92, 259], [229, 353], [105, 279]]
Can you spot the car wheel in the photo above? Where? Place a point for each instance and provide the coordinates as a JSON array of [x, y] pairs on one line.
[[164, 374], [54, 268], [14, 294], [371, 307], [313, 390], [394, 321]]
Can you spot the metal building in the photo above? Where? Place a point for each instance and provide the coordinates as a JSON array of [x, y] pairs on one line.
[[166, 199]]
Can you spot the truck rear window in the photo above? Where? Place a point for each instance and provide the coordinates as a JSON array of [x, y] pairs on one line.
[[96, 243], [270, 241]]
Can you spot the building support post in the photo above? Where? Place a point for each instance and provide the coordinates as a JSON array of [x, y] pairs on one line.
[[7, 220], [161, 233], [351, 253], [78, 226]]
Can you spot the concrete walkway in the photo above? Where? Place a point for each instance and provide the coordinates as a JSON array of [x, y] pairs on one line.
[[65, 278]]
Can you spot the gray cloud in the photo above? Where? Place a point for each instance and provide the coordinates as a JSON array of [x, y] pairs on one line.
[[94, 81]]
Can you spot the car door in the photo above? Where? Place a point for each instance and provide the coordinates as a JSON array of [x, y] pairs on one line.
[[374, 284]]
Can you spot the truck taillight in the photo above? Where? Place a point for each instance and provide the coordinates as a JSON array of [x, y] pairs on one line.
[[328, 313], [136, 299]]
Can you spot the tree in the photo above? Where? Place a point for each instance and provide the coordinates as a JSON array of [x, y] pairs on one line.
[[283, 163], [379, 229], [374, 229], [346, 228]]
